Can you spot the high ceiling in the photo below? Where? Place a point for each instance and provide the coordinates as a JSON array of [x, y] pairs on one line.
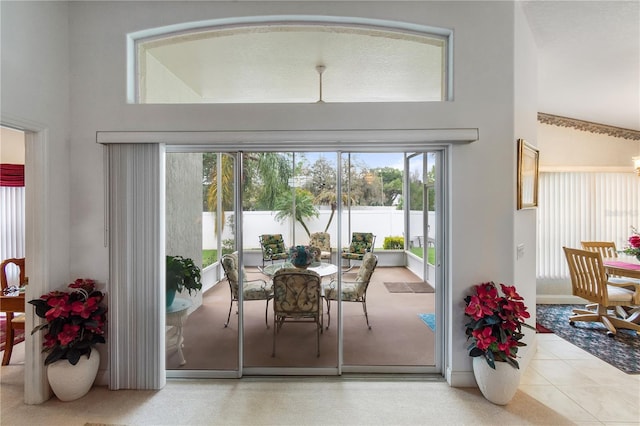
[[588, 63], [588, 59]]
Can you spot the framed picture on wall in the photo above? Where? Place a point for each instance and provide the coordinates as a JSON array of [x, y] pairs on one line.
[[528, 158]]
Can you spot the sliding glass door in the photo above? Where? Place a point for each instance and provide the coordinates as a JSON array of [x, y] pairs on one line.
[[256, 206]]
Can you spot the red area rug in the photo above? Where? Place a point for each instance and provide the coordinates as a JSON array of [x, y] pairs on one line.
[[3, 333], [542, 329]]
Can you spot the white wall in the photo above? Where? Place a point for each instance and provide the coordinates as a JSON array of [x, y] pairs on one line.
[[35, 97], [482, 180], [11, 146], [566, 148]]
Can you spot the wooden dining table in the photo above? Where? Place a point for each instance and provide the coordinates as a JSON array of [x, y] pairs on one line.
[[630, 268], [12, 302]]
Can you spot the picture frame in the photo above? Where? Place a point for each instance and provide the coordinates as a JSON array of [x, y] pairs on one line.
[[528, 163]]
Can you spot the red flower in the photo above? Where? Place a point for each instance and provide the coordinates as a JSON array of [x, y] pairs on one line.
[[488, 294], [68, 334], [506, 346], [49, 341], [84, 309], [484, 337], [476, 309], [510, 292], [634, 241], [59, 307]]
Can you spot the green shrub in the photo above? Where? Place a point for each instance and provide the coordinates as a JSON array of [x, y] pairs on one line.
[[393, 243]]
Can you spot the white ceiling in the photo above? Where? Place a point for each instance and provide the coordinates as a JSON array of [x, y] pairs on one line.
[[588, 59], [588, 62]]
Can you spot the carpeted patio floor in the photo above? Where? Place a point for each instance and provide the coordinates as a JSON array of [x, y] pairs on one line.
[[398, 337]]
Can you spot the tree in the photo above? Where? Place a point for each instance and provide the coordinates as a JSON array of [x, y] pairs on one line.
[[304, 208]]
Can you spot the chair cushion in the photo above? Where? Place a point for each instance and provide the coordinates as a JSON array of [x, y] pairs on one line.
[[18, 320], [354, 256], [619, 294], [351, 291], [256, 290], [273, 245]]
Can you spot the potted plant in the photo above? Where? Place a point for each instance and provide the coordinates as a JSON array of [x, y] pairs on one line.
[[75, 322], [633, 249], [302, 256], [182, 274], [495, 332]]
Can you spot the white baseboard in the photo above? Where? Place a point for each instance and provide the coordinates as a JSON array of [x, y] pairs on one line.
[[559, 299]]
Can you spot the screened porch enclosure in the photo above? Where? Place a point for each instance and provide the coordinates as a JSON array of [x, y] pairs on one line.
[[295, 195]]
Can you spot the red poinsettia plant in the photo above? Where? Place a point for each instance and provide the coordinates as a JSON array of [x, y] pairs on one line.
[[495, 328], [75, 321]]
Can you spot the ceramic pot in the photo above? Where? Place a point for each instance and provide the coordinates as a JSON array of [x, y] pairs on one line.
[[171, 295], [499, 385], [70, 382]]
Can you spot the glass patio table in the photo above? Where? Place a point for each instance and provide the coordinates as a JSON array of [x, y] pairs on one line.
[[321, 268]]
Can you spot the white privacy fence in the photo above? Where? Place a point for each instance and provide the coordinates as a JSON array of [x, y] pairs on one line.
[[381, 221]]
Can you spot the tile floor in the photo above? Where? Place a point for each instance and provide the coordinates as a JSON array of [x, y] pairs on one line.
[[563, 385]]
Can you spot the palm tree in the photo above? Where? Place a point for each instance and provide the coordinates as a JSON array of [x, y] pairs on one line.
[[303, 206], [227, 187], [328, 196]]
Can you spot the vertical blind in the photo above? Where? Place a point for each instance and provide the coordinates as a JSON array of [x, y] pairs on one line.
[[583, 206]]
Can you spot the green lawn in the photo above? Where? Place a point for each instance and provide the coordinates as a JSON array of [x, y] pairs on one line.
[[209, 257], [431, 253]]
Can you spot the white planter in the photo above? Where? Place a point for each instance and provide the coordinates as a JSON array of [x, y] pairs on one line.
[[70, 382], [499, 385]]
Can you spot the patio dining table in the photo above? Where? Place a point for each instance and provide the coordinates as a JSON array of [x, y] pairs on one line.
[[321, 268]]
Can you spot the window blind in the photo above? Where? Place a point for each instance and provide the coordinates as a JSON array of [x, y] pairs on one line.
[[583, 206]]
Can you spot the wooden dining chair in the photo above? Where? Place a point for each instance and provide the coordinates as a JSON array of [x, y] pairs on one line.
[[14, 321], [607, 249], [589, 281]]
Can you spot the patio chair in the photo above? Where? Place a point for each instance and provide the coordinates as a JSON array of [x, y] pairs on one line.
[[353, 291], [361, 243], [273, 248], [14, 321], [251, 289], [589, 281], [297, 298], [321, 241]]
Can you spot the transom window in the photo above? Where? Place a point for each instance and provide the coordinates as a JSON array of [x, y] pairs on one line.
[[292, 63]]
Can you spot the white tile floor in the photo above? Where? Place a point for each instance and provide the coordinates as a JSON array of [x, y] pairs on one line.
[[563, 385]]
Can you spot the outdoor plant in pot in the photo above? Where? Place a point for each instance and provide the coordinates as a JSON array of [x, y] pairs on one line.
[[74, 322], [182, 274], [495, 332]]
